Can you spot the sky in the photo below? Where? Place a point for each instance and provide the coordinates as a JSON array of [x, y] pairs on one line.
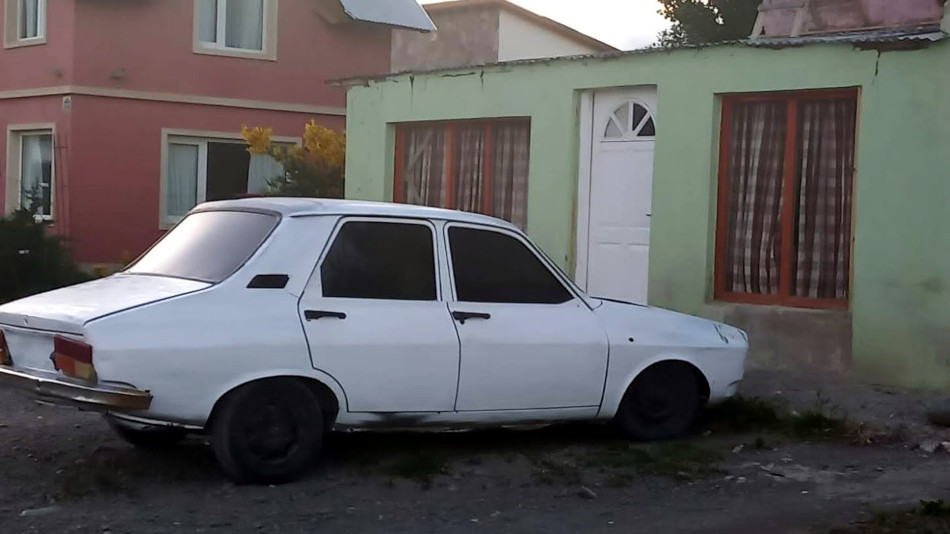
[[625, 24]]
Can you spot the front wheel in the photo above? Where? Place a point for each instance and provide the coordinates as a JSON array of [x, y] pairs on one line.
[[146, 436], [662, 403], [267, 432]]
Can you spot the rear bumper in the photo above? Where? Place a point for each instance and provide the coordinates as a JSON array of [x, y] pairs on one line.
[[55, 388]]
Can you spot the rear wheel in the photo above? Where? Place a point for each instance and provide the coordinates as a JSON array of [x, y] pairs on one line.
[[146, 436], [662, 403], [267, 432]]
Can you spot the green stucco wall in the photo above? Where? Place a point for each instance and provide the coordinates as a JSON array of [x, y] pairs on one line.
[[901, 298]]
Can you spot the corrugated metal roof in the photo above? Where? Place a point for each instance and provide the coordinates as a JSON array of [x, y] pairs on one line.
[[402, 13], [892, 35]]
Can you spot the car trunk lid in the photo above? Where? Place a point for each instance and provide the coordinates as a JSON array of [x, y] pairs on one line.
[[31, 324]]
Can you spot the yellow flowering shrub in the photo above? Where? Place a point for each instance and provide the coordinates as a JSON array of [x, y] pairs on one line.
[[316, 168]]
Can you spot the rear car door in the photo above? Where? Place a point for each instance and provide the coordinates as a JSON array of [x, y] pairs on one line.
[[528, 341], [375, 319]]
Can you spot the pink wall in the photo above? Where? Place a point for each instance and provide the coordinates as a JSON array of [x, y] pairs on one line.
[[152, 40], [114, 176], [43, 65]]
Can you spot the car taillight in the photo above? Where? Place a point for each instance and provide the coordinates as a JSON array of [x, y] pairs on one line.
[[73, 358], [5, 358]]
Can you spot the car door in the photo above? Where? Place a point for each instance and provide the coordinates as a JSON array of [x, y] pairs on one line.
[[375, 320], [527, 341]]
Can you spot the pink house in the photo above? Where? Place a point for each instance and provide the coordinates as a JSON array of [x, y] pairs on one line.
[[118, 117]]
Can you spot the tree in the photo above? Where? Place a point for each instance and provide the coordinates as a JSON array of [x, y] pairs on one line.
[[707, 21], [315, 169]]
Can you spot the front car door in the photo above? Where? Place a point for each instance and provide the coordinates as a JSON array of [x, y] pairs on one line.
[[528, 341], [375, 320]]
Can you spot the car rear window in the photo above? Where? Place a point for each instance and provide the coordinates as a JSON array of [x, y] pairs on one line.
[[208, 246]]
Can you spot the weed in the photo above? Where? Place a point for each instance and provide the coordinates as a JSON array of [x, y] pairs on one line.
[[936, 508]]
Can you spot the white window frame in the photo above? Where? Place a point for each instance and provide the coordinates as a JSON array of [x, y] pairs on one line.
[[12, 26], [15, 135], [200, 139], [219, 48]]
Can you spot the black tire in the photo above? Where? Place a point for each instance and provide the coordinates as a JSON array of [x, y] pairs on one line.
[[146, 437], [267, 432], [662, 403]]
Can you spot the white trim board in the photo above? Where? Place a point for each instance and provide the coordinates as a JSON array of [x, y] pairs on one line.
[[106, 92], [586, 141]]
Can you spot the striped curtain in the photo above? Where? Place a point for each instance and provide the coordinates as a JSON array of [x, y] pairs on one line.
[[826, 172], [755, 197]]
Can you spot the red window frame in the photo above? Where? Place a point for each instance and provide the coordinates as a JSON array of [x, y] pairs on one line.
[[789, 192], [451, 128]]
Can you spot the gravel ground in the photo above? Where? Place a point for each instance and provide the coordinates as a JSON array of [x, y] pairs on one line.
[[63, 471]]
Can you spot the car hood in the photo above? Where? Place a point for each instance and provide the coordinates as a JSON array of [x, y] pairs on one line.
[[665, 327], [69, 308]]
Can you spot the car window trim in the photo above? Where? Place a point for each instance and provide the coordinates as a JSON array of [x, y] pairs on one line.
[[545, 261], [260, 211], [317, 275]]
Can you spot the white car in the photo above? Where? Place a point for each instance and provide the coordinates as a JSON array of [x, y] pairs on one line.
[[268, 322]]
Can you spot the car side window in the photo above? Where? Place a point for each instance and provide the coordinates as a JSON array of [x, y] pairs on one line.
[[381, 260], [493, 267]]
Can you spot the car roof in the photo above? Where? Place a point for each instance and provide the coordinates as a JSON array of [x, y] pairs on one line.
[[310, 207]]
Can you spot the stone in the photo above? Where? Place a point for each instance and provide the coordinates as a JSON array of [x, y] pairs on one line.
[[587, 493], [929, 446], [39, 512]]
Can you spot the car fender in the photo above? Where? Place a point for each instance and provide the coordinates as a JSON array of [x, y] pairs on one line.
[[312, 374], [614, 396]]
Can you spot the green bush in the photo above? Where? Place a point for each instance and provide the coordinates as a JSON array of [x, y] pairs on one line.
[[32, 261]]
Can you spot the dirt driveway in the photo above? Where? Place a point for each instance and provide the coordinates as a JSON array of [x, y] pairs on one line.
[[63, 471]]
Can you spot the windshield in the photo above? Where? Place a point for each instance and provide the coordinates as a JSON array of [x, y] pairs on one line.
[[208, 246]]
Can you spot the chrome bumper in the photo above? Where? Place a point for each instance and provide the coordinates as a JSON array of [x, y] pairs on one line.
[[55, 388]]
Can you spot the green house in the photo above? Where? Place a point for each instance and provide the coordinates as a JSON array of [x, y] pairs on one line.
[[796, 187]]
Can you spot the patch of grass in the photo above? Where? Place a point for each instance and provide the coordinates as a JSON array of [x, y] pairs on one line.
[[680, 461], [822, 422], [740, 414], [930, 517], [421, 467]]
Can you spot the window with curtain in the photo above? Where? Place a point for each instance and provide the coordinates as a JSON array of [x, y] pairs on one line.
[[234, 24], [31, 19], [203, 170], [785, 198], [36, 173], [475, 166]]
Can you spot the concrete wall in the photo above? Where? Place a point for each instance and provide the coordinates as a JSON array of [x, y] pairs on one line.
[[900, 307], [520, 38], [466, 36]]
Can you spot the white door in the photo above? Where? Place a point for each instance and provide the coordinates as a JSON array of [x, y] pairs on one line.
[[621, 193], [527, 341], [375, 320]]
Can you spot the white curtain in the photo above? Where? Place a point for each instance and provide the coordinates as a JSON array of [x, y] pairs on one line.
[[182, 189], [245, 24], [36, 176], [208, 21], [29, 18], [262, 170]]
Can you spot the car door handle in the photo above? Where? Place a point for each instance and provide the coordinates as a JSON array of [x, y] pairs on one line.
[[314, 315], [461, 317]]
